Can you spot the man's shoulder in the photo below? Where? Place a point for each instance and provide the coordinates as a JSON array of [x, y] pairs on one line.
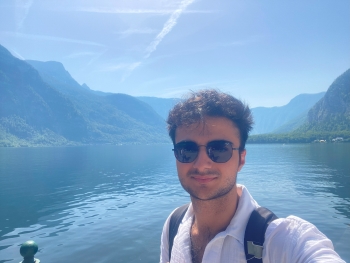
[[291, 225], [293, 238]]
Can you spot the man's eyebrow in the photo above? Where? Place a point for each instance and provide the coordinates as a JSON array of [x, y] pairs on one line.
[[186, 141]]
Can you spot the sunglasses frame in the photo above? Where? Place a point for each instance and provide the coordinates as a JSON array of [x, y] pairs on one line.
[[207, 150]]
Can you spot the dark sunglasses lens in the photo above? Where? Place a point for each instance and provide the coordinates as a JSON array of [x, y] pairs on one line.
[[219, 151], [186, 152]]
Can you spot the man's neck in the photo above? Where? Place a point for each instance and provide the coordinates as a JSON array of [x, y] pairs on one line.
[[210, 218], [215, 215]]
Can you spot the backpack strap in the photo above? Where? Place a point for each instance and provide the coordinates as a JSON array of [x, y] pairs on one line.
[[254, 236], [174, 223]]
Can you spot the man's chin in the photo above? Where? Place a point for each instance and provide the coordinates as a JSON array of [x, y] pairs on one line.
[[207, 196]]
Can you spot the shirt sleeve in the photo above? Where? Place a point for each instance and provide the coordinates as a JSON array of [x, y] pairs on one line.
[[164, 244], [294, 240]]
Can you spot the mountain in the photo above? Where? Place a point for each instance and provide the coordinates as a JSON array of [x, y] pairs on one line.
[[55, 74], [285, 118], [30, 107], [107, 109], [96, 92], [332, 112], [267, 120], [327, 121], [41, 104], [161, 105], [53, 71], [113, 117], [293, 124]]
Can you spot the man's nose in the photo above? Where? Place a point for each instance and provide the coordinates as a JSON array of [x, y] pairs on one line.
[[202, 161]]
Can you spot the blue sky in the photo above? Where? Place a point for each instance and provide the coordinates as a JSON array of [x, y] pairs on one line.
[[264, 52]]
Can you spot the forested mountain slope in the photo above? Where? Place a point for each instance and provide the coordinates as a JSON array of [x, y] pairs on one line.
[[48, 107], [328, 120], [332, 112], [30, 109], [121, 110], [270, 120]]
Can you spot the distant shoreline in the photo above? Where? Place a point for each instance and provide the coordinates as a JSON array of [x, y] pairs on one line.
[[136, 144], [300, 137], [285, 138]]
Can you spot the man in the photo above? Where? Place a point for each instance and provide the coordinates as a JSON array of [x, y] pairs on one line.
[[209, 131]]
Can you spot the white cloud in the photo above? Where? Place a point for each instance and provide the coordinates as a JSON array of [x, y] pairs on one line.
[[126, 67], [121, 66], [130, 69], [139, 11], [92, 55], [52, 38], [81, 54], [129, 32], [218, 45], [126, 11], [96, 57], [249, 40], [168, 26], [179, 91], [22, 10]]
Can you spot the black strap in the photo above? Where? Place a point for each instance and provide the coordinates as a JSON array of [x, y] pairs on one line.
[[254, 236], [174, 223]]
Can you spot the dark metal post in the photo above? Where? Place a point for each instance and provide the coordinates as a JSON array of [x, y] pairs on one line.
[[28, 250]]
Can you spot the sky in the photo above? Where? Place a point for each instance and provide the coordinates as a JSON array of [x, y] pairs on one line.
[[263, 52]]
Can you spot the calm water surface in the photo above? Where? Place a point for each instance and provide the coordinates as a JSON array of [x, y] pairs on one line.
[[109, 203]]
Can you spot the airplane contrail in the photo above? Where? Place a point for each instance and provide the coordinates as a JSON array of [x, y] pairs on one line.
[[168, 26], [22, 10]]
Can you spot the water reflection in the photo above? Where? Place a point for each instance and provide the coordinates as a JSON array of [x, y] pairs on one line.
[[310, 181], [310, 170], [84, 202], [59, 176], [48, 191]]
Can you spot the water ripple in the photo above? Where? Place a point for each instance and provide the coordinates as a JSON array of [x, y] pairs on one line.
[[104, 196]]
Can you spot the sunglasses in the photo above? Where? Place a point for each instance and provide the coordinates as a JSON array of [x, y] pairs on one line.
[[219, 151]]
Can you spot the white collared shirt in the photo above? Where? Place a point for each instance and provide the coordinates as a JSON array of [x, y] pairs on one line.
[[288, 240]]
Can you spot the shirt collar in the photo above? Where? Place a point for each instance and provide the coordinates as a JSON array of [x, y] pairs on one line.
[[236, 228], [246, 205]]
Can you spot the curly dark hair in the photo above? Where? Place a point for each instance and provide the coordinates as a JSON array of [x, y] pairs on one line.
[[211, 103]]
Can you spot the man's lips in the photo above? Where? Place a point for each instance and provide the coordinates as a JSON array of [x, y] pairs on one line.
[[203, 179]]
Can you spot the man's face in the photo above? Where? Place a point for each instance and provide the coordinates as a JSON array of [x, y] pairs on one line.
[[203, 178]]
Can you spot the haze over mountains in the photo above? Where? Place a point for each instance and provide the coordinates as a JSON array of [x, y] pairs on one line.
[[285, 118], [48, 107], [41, 104]]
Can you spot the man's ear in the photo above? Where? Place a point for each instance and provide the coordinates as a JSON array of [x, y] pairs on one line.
[[242, 155]]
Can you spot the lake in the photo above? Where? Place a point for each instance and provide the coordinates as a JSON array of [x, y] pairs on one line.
[[109, 203]]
